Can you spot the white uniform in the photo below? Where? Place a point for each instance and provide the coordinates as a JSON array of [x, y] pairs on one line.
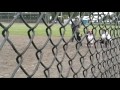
[[106, 36], [90, 38], [103, 36]]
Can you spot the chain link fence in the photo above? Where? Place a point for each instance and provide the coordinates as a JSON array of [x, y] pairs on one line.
[[59, 47]]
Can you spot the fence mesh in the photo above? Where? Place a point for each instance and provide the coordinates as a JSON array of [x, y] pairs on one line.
[[92, 51]]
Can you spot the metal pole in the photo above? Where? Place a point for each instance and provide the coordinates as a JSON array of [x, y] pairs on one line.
[[61, 17], [61, 14], [45, 17], [30, 17], [8, 17]]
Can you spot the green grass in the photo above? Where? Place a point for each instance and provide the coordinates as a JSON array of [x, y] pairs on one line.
[[22, 29]]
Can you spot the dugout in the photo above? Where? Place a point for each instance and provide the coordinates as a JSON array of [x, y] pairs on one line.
[[30, 17]]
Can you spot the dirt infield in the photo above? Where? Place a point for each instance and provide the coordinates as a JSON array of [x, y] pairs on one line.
[[8, 58]]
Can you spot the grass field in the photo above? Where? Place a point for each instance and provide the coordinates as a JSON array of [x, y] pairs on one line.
[[21, 29], [18, 36]]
